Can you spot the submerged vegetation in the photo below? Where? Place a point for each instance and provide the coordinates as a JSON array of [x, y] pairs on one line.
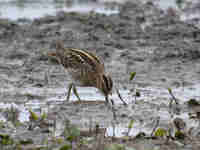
[[93, 138]]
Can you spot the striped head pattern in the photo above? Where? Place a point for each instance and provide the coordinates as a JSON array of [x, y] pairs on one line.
[[105, 84]]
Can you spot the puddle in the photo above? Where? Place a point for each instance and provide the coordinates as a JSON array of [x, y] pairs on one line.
[[181, 93], [163, 4], [191, 16], [185, 15], [23, 114], [146, 127], [15, 9], [121, 130], [42, 97]]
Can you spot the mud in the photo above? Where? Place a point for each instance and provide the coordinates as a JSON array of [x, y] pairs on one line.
[[157, 44]]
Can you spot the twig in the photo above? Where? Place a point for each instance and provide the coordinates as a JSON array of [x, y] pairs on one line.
[[130, 126], [173, 97], [113, 110], [114, 128], [170, 108], [156, 125], [120, 97]]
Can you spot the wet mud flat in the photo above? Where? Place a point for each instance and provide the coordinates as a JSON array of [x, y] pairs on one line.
[[161, 48]]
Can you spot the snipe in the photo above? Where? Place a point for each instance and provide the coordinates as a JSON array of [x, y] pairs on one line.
[[85, 68]]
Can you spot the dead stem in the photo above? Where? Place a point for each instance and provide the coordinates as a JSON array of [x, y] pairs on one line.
[[120, 97], [113, 110], [156, 125], [173, 97]]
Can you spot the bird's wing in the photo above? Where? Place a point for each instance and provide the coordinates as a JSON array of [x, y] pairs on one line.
[[83, 59]]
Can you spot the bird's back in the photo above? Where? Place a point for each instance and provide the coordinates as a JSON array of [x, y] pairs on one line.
[[83, 66]]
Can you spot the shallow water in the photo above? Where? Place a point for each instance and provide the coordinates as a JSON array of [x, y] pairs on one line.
[[166, 4], [146, 105], [15, 9], [121, 130]]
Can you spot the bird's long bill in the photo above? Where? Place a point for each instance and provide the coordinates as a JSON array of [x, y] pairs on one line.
[[51, 54], [106, 98]]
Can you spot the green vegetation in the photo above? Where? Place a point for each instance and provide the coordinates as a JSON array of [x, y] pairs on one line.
[[132, 76], [160, 132]]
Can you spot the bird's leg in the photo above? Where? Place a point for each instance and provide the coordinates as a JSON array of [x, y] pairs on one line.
[[76, 93], [69, 91]]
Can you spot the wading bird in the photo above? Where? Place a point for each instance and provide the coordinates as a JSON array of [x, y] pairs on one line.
[[85, 69]]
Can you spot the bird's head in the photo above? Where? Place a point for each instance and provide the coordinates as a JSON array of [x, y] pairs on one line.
[[105, 84]]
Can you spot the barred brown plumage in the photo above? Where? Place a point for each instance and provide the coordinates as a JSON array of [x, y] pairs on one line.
[[85, 68]]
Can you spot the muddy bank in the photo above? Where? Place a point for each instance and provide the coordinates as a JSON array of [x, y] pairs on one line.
[[141, 38], [161, 48]]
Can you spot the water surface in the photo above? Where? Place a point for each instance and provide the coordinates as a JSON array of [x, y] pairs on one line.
[[15, 9]]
